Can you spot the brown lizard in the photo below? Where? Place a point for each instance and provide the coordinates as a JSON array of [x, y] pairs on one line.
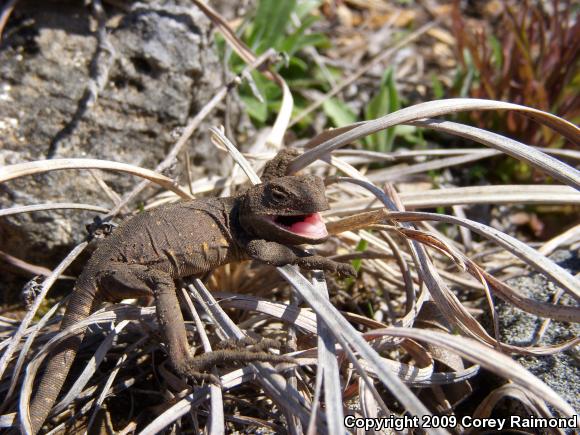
[[144, 255]]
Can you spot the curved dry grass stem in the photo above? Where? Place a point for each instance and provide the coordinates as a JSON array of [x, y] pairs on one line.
[[5, 14], [276, 136], [52, 206], [548, 164], [454, 310], [42, 166], [333, 139], [491, 360], [554, 272], [46, 285]]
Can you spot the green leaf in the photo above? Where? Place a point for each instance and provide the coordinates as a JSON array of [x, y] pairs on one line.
[[469, 75], [297, 63], [360, 247], [300, 39], [412, 135], [270, 23], [438, 91], [497, 53], [338, 112], [305, 7], [385, 101], [297, 42], [256, 109]]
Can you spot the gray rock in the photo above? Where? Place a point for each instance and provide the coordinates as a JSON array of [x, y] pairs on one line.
[[562, 370], [163, 69]]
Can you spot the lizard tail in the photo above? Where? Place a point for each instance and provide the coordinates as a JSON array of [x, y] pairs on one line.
[[81, 304]]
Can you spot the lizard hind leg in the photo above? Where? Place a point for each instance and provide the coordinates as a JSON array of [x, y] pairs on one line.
[[137, 280], [134, 280]]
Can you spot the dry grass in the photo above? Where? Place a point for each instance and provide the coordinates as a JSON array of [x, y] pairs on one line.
[[421, 341]]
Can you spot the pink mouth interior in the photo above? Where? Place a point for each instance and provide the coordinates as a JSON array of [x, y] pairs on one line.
[[310, 226]]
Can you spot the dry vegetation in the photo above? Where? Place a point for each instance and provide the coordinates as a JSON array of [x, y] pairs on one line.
[[416, 332]]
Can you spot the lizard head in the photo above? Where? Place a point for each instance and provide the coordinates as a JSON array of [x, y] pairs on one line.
[[286, 210]]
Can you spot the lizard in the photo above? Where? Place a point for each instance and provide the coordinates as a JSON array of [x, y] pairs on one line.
[[148, 251]]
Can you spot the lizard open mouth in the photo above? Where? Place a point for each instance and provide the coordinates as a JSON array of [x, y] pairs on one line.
[[305, 225]]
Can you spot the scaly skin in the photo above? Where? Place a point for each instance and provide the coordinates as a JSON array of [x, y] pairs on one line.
[[147, 252]]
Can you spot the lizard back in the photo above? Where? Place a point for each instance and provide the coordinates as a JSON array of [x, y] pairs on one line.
[[183, 239]]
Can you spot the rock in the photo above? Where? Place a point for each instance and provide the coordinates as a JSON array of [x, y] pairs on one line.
[[163, 69], [560, 371]]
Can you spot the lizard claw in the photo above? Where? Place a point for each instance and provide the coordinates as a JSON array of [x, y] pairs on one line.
[[344, 270], [208, 377]]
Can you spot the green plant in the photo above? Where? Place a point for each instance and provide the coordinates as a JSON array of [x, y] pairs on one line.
[[385, 101], [286, 27], [531, 60]]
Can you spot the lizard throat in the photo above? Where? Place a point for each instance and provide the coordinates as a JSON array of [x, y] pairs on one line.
[[310, 226]]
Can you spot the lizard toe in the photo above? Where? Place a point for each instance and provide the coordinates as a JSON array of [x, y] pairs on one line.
[[344, 270]]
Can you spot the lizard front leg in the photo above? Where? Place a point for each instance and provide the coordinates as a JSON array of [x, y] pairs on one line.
[[279, 255]]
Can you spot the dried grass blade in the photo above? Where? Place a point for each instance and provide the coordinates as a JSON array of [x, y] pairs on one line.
[[447, 197], [117, 313], [91, 366], [392, 174], [40, 166], [368, 404], [162, 421], [32, 269], [348, 336], [302, 318], [52, 206], [529, 255], [216, 415], [496, 194], [276, 136], [111, 378], [567, 237], [428, 110], [8, 421], [328, 361], [24, 352], [448, 302], [228, 33], [489, 359], [220, 138], [46, 285], [311, 428], [486, 407], [280, 391], [548, 164], [562, 313]]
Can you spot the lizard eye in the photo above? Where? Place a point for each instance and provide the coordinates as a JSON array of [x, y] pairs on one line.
[[278, 194]]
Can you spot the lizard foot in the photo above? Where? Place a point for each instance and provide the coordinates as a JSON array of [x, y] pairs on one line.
[[313, 262], [345, 270], [198, 365], [205, 377], [250, 343]]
